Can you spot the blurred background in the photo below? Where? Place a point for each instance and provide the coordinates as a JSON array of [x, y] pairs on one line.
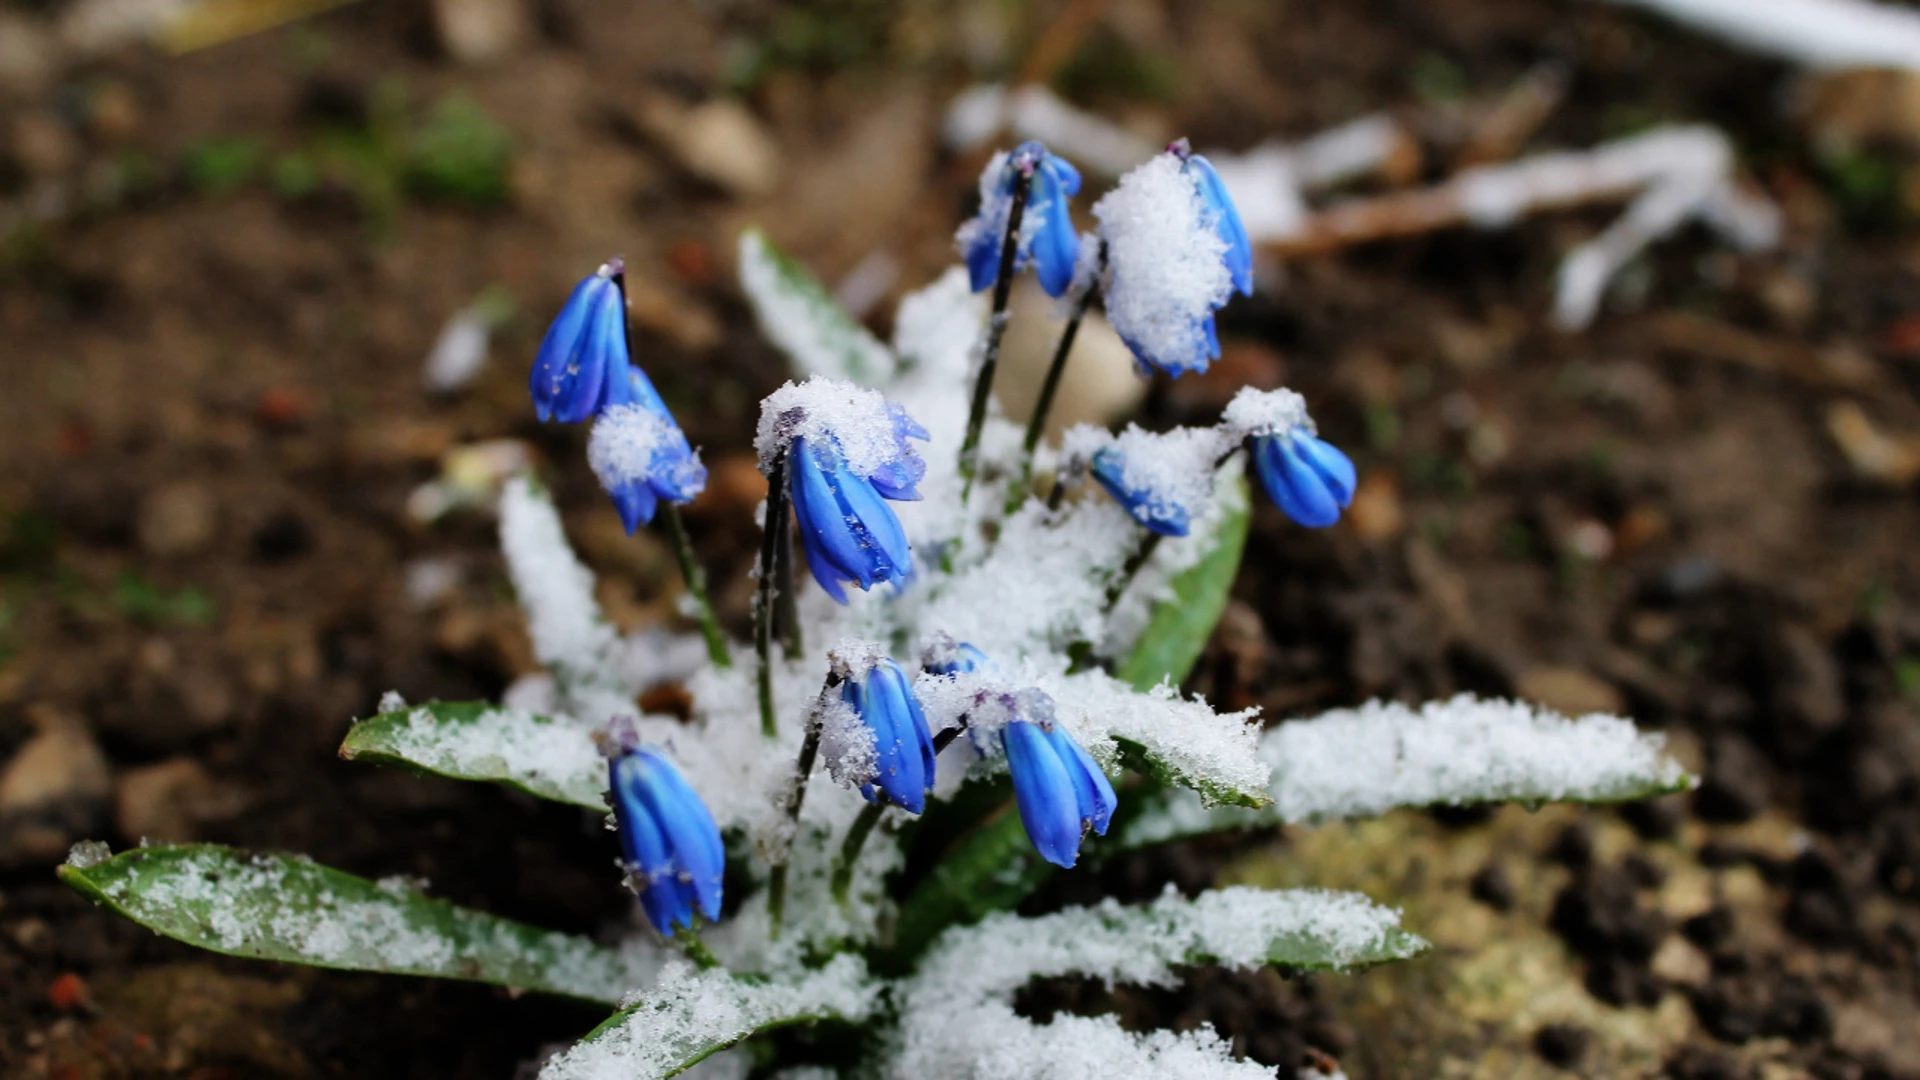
[[272, 273]]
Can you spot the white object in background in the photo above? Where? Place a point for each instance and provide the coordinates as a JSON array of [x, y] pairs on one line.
[[459, 352], [1816, 33]]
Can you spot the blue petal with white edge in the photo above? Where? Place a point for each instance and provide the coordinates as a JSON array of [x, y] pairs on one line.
[[1226, 222]]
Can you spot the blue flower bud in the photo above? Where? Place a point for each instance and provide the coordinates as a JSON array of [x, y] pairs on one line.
[[949, 657], [903, 766], [847, 530], [669, 843], [1061, 792], [1226, 222], [1153, 507], [1309, 479], [583, 364], [1047, 237]]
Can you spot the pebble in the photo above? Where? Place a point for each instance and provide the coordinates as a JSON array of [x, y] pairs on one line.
[[53, 791], [477, 31], [719, 141], [169, 801], [177, 520]]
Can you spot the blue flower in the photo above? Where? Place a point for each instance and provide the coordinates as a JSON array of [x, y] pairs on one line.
[[1309, 479], [903, 748], [1060, 791], [641, 456], [1047, 237], [1226, 221], [583, 364], [669, 844], [847, 530], [1151, 506], [949, 657]]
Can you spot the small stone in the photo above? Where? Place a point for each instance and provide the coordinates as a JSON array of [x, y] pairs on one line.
[[1569, 690], [1680, 962], [1492, 887], [719, 141], [177, 520], [476, 31], [1562, 1045], [169, 801], [53, 791], [1376, 513]]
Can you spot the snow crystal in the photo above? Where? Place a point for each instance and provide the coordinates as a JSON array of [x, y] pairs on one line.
[[625, 440], [1253, 413], [391, 701], [1166, 263], [957, 1019], [1172, 470], [690, 1013], [802, 320], [1361, 762], [823, 410], [847, 744]]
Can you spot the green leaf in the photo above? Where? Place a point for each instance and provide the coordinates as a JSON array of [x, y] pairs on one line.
[[1141, 760], [1180, 625], [798, 314], [472, 740], [691, 1015], [291, 909], [990, 868]]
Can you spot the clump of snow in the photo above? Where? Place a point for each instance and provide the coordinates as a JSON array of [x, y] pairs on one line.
[[1216, 753], [88, 853], [1838, 34], [689, 1014], [802, 320], [1361, 762], [957, 1017], [459, 352], [626, 441], [1078, 445], [847, 744], [1172, 470], [1253, 413], [1166, 267], [569, 635], [390, 701], [855, 420]]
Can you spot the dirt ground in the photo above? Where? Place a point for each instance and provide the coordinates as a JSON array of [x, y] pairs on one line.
[[1700, 512]]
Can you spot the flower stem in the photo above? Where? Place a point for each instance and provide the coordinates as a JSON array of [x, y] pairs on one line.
[[696, 578], [996, 328], [786, 616], [850, 850], [796, 794], [1037, 423], [690, 569], [763, 606], [696, 949], [1131, 569]]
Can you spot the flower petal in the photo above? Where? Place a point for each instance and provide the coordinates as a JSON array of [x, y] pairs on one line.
[[1044, 792]]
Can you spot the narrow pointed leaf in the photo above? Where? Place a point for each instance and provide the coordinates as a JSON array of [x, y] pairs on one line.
[[472, 740], [798, 314], [1177, 631], [291, 909], [690, 1015]]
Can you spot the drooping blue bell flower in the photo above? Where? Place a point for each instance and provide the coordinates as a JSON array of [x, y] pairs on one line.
[[1047, 237], [903, 768], [949, 657], [641, 456], [1154, 507], [669, 843], [582, 366], [847, 530], [1308, 478], [1176, 251], [1059, 788]]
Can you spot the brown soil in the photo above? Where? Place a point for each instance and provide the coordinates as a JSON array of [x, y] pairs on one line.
[[215, 419]]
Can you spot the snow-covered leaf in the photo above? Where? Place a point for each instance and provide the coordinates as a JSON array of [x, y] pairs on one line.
[[291, 909], [689, 1015], [1355, 763], [799, 315], [1178, 629], [472, 740], [555, 589], [957, 1018]]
